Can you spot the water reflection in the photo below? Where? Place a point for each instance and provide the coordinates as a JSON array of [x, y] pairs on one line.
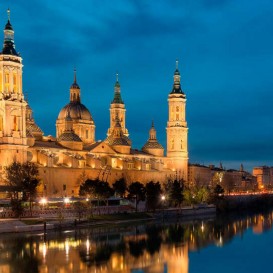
[[151, 248]]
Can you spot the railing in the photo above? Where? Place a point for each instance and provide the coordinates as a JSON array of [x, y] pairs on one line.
[[67, 212]]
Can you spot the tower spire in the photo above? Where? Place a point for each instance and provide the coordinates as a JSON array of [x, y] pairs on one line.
[[75, 91], [117, 109], [176, 78], [75, 75], [9, 47], [8, 12], [117, 95]]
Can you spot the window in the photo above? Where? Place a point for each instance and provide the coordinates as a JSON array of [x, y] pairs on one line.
[[172, 144], [7, 82], [14, 123], [15, 83]]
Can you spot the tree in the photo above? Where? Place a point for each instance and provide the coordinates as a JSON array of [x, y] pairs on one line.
[[136, 191], [96, 189], [23, 177], [153, 192], [174, 191], [88, 188], [120, 187]]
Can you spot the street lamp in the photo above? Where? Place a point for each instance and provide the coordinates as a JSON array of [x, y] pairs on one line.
[[163, 198]]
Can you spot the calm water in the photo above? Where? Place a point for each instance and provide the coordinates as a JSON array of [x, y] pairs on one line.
[[231, 245]]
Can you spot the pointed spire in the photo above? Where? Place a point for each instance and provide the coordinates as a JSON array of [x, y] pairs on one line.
[[176, 85], [75, 89], [117, 95], [152, 133], [9, 47], [75, 75], [117, 85]]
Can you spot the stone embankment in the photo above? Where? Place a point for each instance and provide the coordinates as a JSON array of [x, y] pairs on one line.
[[53, 221]]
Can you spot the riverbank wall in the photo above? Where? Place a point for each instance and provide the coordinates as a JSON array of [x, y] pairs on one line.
[[245, 202]]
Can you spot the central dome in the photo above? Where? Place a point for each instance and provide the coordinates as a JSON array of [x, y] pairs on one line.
[[76, 110]]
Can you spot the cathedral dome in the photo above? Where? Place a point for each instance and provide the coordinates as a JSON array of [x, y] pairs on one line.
[[76, 110]]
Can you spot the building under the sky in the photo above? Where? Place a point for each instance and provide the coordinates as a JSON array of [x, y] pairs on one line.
[[74, 152]]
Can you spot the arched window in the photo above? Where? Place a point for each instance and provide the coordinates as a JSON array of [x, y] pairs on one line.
[[172, 144]]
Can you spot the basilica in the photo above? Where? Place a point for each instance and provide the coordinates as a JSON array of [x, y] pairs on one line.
[[74, 154]]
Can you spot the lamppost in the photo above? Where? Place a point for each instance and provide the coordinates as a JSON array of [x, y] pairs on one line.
[[163, 198]]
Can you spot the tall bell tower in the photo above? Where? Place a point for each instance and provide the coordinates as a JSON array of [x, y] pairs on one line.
[[177, 130], [13, 139], [117, 109]]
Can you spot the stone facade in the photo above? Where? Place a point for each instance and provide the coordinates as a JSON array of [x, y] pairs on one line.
[[74, 153]]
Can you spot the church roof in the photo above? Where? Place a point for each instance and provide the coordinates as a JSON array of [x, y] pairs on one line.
[[121, 140], [69, 136], [32, 127], [152, 144]]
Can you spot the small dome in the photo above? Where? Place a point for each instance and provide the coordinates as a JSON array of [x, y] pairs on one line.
[[69, 136], [122, 140], [152, 145], [76, 110]]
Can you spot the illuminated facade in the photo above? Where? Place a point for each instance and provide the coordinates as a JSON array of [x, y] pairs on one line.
[[74, 150], [264, 175]]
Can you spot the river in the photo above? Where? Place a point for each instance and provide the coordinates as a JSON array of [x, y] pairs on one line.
[[228, 244]]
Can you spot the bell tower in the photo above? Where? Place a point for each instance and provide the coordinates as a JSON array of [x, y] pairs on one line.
[[13, 140], [117, 109], [177, 130]]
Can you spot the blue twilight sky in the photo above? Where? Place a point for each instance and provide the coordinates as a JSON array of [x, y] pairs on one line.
[[225, 52]]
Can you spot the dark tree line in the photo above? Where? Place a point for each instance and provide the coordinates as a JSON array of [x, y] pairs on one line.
[[152, 192]]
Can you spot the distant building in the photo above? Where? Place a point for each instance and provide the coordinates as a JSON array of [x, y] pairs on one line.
[[264, 175], [75, 152], [231, 180]]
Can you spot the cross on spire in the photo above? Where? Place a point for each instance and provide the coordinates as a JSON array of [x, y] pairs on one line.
[[8, 12]]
